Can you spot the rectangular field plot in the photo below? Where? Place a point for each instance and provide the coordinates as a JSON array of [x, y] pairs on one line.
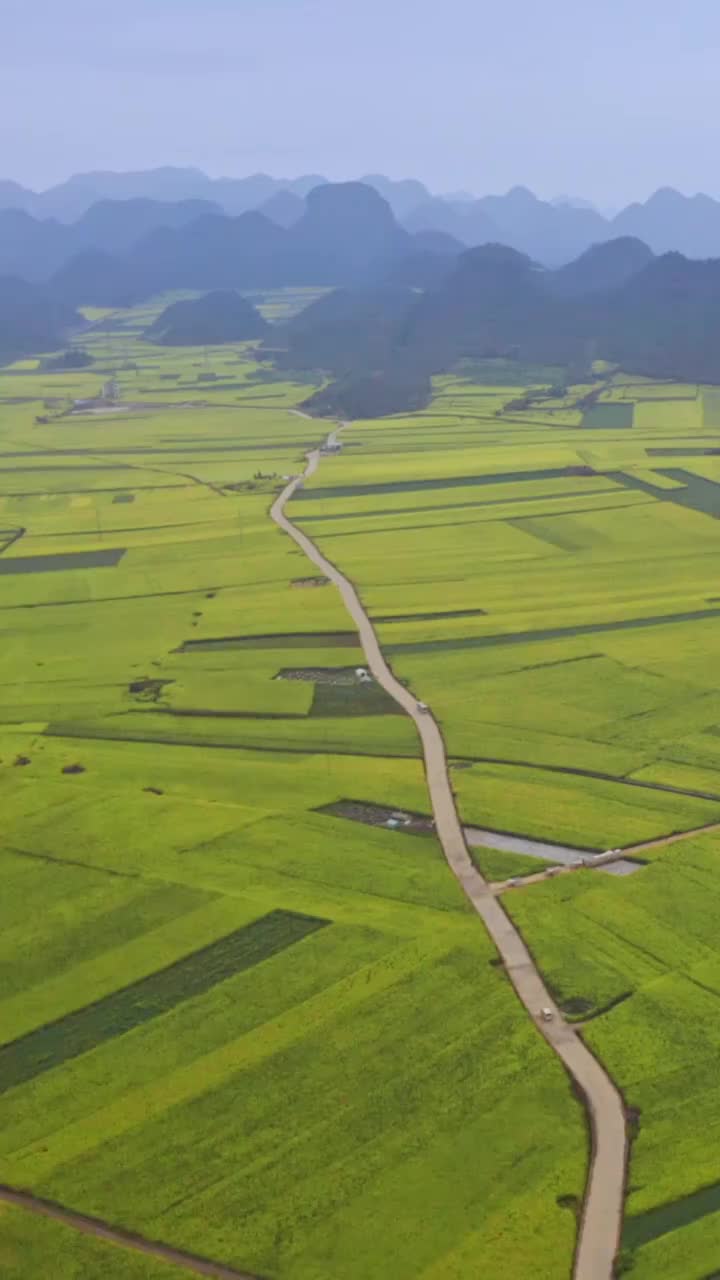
[[711, 407], [85, 914], [559, 633], [499, 493], [657, 479], [364, 699], [61, 562], [298, 640], [421, 485], [275, 1118], [356, 729], [609, 417], [77, 1033], [590, 813], [672, 416]]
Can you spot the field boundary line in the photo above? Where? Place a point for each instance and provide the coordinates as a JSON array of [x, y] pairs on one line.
[[223, 746], [604, 860], [674, 838], [602, 1215], [595, 775], [118, 1236]]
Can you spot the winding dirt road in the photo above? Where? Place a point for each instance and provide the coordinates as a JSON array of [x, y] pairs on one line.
[[601, 1222]]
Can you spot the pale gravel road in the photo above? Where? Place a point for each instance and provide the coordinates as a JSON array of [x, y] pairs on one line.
[[601, 1223]]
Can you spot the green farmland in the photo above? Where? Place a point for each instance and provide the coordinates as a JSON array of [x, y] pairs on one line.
[[231, 1021], [240, 1024], [26, 1245], [547, 580]]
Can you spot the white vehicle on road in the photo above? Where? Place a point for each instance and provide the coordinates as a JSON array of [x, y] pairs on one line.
[[423, 707]]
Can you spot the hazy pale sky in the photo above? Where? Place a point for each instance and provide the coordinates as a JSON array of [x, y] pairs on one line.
[[608, 101]]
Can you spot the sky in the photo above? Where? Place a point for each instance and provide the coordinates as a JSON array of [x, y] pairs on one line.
[[608, 104]]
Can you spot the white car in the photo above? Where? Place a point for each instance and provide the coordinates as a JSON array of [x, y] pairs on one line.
[[423, 707], [546, 1015]]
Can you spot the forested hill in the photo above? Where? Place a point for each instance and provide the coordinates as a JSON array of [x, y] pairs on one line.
[[31, 320], [215, 318], [654, 316], [408, 306]]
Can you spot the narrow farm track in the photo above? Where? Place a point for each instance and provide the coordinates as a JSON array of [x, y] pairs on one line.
[[117, 1236], [606, 860], [662, 841], [601, 1221]]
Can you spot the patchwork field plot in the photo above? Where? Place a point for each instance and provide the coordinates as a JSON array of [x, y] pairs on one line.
[[151, 997], [58, 563], [229, 1021], [567, 640], [247, 1025], [610, 416]]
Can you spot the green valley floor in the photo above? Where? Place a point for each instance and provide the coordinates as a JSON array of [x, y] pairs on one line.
[[239, 1022], [545, 578], [233, 1021]]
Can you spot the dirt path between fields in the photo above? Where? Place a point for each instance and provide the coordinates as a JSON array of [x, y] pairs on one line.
[[119, 1237], [597, 862], [662, 841], [602, 1214]]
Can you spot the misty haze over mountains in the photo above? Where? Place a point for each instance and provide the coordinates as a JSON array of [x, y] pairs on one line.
[[554, 283], [551, 232], [381, 342]]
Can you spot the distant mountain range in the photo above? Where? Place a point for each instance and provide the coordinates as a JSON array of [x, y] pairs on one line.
[[346, 234], [381, 343], [408, 301], [554, 233], [551, 232], [36, 249], [122, 251], [658, 316], [68, 201]]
